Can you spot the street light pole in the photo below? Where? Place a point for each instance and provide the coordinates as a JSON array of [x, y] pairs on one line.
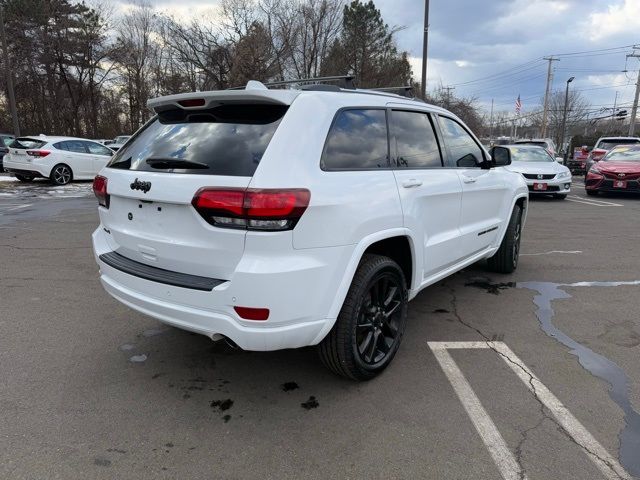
[[9, 76], [564, 116], [423, 86]]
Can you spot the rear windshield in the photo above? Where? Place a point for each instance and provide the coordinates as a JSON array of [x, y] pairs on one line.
[[225, 140], [609, 144], [25, 143]]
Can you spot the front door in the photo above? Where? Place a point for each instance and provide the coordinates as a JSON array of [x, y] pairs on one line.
[[484, 191]]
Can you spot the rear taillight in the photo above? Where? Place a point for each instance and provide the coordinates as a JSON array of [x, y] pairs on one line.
[[100, 190], [252, 209], [38, 153]]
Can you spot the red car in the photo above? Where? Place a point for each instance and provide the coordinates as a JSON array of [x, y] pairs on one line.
[[617, 171]]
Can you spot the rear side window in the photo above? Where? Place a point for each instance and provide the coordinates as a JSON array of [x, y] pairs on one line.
[[414, 140], [225, 140], [76, 146], [464, 150], [357, 140], [26, 143]]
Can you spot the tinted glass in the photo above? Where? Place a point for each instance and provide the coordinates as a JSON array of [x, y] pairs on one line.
[[358, 139], [76, 146], [25, 143], [97, 149], [225, 140], [415, 140], [524, 154], [624, 154], [6, 140], [609, 144], [464, 150], [540, 144]]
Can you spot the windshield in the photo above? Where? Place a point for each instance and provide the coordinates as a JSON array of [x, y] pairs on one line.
[[609, 144], [225, 140], [623, 154], [537, 155]]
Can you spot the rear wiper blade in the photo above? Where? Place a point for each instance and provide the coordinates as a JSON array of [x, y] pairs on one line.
[[170, 163]]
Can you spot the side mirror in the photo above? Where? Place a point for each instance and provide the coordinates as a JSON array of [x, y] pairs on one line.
[[500, 156]]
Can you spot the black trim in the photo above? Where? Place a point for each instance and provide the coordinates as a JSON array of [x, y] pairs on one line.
[[154, 274], [488, 230]]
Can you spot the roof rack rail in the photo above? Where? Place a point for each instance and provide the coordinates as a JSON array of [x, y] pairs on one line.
[[404, 90], [345, 81]]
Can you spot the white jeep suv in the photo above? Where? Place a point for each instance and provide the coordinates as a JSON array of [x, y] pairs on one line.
[[288, 218]]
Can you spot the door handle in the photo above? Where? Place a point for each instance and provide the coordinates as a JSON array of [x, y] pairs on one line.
[[411, 183], [466, 179]]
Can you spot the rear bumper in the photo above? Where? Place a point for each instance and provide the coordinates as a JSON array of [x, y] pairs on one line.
[[299, 296], [33, 169]]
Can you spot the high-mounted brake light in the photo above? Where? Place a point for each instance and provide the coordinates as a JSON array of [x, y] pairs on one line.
[[38, 153], [100, 190], [252, 209], [192, 102]]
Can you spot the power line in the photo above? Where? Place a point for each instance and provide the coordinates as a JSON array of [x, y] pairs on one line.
[[528, 64], [592, 51]]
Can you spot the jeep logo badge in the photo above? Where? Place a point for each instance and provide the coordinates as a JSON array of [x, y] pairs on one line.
[[138, 185]]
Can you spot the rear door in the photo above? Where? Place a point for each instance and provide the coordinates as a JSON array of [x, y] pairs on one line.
[[430, 194], [484, 191], [154, 178], [77, 156]]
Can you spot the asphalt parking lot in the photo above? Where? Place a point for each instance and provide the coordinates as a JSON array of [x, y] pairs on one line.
[[532, 375]]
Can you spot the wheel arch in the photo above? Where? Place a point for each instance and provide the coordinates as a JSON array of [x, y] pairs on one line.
[[399, 242]]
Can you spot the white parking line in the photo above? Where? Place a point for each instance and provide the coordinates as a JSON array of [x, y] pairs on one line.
[[588, 201], [575, 252], [502, 456], [18, 207], [487, 430]]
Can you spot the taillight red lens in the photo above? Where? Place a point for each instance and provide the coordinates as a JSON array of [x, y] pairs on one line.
[[100, 190], [252, 313], [38, 153], [253, 209]]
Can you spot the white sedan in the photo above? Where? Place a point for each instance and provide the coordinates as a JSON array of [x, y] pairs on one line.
[[540, 170], [60, 159]]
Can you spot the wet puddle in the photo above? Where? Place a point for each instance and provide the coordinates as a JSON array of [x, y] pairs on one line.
[[596, 364]]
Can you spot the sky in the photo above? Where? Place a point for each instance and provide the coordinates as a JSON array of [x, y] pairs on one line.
[[506, 40]]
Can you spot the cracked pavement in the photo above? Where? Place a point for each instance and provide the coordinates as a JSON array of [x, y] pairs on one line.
[[74, 404]]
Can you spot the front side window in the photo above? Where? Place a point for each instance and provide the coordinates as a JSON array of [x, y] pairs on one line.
[[357, 140], [464, 150], [97, 149], [414, 140]]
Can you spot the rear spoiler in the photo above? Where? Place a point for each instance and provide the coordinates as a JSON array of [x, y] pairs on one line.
[[197, 100]]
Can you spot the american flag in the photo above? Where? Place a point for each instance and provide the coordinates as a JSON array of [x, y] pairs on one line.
[[518, 105]]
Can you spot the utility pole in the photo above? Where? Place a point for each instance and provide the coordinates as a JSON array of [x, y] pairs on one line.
[[564, 118], [491, 124], [448, 89], [613, 114], [9, 76], [634, 109], [423, 86], [543, 130]]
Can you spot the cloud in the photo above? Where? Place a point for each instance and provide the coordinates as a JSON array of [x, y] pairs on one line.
[[616, 20]]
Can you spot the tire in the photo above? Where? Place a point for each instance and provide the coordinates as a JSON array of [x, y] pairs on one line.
[[364, 339], [505, 260], [560, 196], [61, 174], [24, 178], [591, 193]]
